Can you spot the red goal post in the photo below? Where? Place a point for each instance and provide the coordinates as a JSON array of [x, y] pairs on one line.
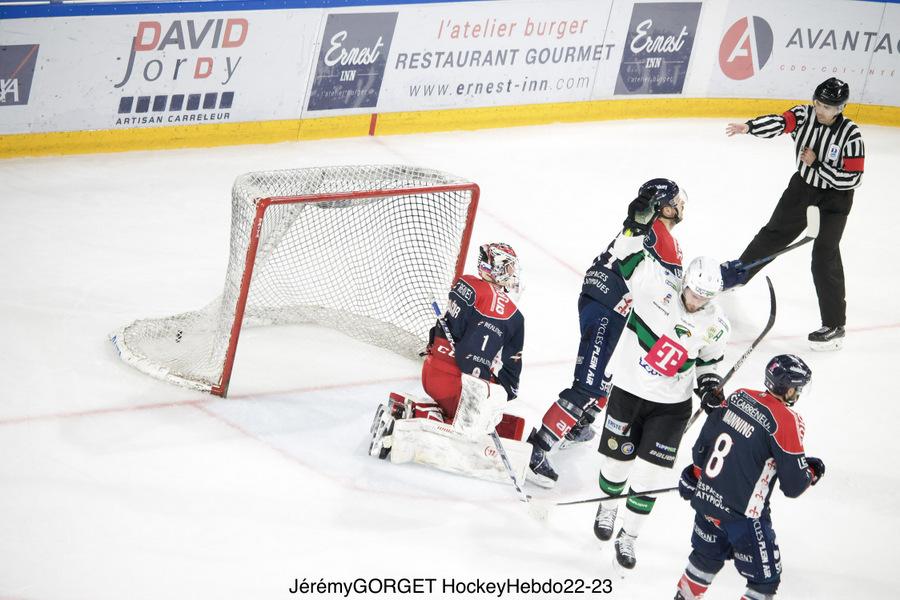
[[363, 249]]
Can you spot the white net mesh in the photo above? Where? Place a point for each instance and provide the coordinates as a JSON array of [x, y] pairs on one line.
[[366, 266]]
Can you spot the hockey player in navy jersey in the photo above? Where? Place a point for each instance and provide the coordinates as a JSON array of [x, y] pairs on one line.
[[486, 334], [603, 306], [746, 445]]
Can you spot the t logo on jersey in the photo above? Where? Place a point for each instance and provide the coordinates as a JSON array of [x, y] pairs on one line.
[[745, 48], [666, 356]]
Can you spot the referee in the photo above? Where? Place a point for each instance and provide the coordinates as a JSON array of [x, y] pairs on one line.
[[830, 156]]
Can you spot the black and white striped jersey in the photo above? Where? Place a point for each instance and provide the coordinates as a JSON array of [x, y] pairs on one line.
[[839, 149]]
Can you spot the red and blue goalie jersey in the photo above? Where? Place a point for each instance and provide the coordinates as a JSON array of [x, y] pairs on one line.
[[486, 327]]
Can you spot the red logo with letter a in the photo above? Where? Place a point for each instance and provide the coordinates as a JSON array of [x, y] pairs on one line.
[[746, 47], [667, 356]]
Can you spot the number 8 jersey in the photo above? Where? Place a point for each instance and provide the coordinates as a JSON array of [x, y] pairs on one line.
[[742, 450], [663, 345]]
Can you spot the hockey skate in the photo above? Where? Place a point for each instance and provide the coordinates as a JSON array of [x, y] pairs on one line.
[[604, 522], [827, 338], [625, 549], [382, 427], [540, 471], [397, 407]]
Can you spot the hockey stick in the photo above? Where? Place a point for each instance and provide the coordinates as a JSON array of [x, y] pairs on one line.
[[537, 510], [812, 231], [618, 496], [747, 352]]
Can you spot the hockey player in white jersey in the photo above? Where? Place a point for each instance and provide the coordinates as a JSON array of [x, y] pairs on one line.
[[676, 332]]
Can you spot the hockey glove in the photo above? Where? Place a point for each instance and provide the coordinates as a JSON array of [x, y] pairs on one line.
[[710, 392], [642, 212], [733, 274], [816, 467], [511, 389], [687, 485]]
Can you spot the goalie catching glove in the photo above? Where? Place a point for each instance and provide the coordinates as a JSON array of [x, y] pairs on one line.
[[709, 390]]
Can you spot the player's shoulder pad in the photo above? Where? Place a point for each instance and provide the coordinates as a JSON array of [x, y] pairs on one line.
[[789, 427], [663, 246], [492, 302], [718, 317], [748, 403], [465, 287]]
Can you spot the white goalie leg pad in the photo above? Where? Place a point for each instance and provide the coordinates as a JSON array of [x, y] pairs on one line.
[[398, 406], [438, 445], [478, 413]]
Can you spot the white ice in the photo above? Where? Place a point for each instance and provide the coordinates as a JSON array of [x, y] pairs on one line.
[[115, 485]]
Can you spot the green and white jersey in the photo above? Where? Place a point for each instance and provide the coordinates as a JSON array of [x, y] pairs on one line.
[[663, 346]]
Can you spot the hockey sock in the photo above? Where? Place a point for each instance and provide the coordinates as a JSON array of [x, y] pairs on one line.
[[614, 474], [561, 417], [557, 421], [645, 476], [611, 488], [694, 582], [690, 589]]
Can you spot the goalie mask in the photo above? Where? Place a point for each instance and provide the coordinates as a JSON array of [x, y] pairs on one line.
[[498, 263]]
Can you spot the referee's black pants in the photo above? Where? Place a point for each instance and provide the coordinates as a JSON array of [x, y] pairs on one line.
[[789, 220]]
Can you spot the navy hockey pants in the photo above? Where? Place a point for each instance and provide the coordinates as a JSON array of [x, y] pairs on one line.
[[601, 328], [749, 542]]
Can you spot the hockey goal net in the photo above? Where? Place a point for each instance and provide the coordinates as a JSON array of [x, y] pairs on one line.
[[363, 249]]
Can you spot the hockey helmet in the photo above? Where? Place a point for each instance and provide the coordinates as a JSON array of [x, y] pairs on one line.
[[665, 192], [498, 263], [787, 371], [703, 277], [832, 92]]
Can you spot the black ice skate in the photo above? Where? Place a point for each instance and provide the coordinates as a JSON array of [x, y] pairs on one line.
[[827, 338], [604, 522], [625, 549], [540, 471]]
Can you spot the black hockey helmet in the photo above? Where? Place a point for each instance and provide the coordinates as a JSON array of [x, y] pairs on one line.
[[787, 371], [663, 192], [833, 92]]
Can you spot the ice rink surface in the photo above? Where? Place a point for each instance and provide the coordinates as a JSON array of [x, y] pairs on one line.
[[114, 485]]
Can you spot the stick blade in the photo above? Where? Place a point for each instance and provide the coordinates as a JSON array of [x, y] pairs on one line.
[[812, 221], [539, 509]]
